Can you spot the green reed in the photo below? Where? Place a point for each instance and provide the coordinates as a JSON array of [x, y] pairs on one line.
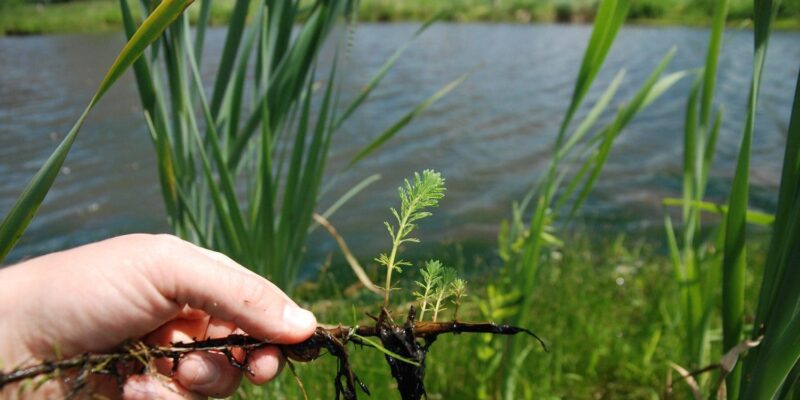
[[770, 369], [25, 207], [773, 368], [241, 167], [697, 266], [522, 244]]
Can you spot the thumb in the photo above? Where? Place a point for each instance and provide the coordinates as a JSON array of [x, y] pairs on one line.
[[189, 275]]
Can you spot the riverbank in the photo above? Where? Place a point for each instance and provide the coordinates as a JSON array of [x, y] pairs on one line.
[[605, 305], [103, 15]]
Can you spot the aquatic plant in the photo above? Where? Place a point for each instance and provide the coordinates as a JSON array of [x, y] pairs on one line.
[[415, 198], [431, 280]]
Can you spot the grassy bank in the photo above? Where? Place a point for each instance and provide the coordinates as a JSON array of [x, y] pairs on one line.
[[82, 17], [103, 15], [605, 309]]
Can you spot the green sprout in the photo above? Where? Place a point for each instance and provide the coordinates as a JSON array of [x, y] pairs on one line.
[[431, 276], [425, 192], [458, 289], [443, 291]]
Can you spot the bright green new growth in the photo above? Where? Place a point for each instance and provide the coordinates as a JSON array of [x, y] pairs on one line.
[[438, 284], [442, 291], [458, 289], [425, 192], [431, 277]]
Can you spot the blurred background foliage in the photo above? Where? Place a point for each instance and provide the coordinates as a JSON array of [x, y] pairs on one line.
[[48, 16]]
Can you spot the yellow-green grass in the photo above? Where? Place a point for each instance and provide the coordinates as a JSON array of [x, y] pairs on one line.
[[103, 15], [82, 17]]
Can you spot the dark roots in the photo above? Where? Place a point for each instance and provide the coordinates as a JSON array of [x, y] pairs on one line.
[[404, 346]]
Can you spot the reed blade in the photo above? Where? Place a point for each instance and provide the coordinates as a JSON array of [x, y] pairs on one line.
[[378, 77], [780, 291], [734, 256], [389, 133], [25, 207]]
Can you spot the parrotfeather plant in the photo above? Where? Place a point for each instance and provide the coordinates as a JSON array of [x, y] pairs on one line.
[[416, 197], [443, 291], [431, 278]]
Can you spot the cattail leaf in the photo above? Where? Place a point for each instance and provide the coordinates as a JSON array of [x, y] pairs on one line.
[[734, 257], [405, 120], [25, 207]]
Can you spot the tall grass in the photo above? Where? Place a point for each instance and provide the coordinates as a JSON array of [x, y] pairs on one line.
[[771, 369], [241, 167], [733, 262], [697, 266], [24, 209], [774, 368], [521, 243]]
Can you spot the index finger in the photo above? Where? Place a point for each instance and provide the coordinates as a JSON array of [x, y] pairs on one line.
[[183, 273]]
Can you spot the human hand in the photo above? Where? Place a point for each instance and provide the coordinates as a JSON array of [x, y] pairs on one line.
[[157, 288]]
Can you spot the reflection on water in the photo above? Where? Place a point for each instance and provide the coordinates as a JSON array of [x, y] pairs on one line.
[[489, 138]]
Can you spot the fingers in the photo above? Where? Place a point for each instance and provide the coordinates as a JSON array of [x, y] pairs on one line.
[[204, 373], [146, 387], [265, 364], [209, 374], [188, 275]]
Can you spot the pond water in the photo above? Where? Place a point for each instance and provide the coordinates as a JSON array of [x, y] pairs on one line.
[[490, 138]]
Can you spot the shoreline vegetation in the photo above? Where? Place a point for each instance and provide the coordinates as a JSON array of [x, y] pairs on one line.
[[22, 17], [604, 308]]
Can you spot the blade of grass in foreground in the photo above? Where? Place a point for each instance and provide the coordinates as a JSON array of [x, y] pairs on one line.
[[734, 259], [23, 210], [780, 351], [752, 216], [790, 183]]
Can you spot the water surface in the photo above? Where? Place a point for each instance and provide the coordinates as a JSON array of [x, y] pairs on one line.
[[490, 138]]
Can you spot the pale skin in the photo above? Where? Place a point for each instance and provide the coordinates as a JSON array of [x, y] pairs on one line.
[[155, 288]]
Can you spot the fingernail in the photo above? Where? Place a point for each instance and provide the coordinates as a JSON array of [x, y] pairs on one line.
[[200, 372], [298, 318]]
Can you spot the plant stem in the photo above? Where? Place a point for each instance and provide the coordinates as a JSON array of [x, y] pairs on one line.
[[424, 303], [396, 240], [390, 267], [438, 305]]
